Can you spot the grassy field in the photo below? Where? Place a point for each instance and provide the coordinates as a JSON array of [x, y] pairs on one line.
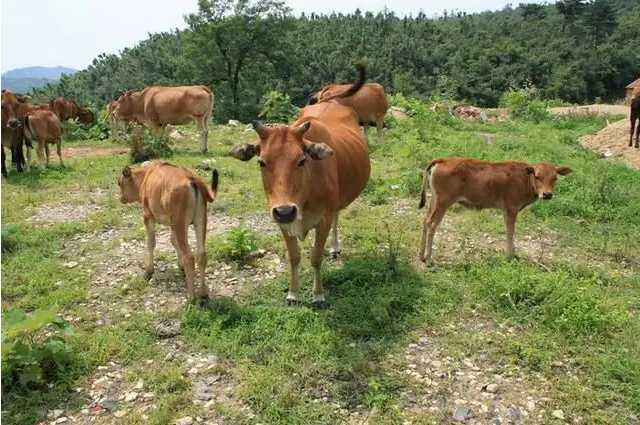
[[551, 337]]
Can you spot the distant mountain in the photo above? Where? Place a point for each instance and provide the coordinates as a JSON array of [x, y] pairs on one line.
[[22, 80]]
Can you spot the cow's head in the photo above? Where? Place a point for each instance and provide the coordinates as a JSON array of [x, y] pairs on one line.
[[285, 158], [86, 116], [544, 176], [9, 117], [128, 104], [129, 186]]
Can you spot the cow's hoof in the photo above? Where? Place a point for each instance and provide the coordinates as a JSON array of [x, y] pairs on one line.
[[335, 253], [148, 274], [292, 303]]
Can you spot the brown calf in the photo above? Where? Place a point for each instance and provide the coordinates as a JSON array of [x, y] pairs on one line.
[[176, 197], [43, 127], [310, 171], [507, 185], [67, 109]]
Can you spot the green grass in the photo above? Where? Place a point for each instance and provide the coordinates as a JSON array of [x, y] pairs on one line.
[[578, 298]]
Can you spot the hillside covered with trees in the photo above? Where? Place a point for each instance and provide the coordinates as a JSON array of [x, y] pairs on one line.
[[574, 50]]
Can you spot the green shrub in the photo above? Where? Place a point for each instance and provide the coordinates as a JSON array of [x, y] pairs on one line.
[[34, 348], [73, 130], [277, 107], [145, 146], [9, 237], [524, 105], [239, 243]]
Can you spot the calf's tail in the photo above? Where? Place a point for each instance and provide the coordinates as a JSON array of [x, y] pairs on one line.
[[208, 193], [425, 182]]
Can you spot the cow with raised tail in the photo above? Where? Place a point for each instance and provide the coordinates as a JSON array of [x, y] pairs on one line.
[[311, 170], [506, 185]]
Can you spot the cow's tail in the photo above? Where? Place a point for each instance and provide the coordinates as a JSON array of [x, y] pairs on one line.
[[28, 131], [362, 78], [425, 182], [208, 193]]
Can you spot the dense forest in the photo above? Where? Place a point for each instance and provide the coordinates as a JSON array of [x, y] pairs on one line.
[[573, 50]]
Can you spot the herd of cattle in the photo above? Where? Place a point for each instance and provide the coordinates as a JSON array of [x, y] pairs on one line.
[[310, 169]]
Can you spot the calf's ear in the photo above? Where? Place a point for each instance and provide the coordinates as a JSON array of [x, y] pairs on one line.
[[563, 171], [245, 152], [530, 170], [126, 171], [318, 150]]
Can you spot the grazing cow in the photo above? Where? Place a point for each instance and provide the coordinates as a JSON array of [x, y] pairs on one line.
[[634, 117], [43, 127], [310, 171], [158, 106], [67, 109], [370, 103], [507, 185], [175, 197]]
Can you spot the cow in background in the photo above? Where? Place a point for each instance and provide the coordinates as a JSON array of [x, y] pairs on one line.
[[311, 170], [370, 103], [634, 117], [67, 109], [158, 106], [43, 127]]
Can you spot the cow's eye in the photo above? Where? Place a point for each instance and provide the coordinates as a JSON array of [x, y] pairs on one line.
[[261, 163], [301, 161]]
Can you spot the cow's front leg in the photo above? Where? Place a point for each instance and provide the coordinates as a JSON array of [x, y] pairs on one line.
[[335, 242], [293, 250], [150, 227], [510, 224], [322, 232]]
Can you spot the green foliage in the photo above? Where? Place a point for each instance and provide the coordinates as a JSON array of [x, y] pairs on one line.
[[146, 146], [239, 243], [34, 348], [277, 107], [524, 105], [73, 130], [9, 237]]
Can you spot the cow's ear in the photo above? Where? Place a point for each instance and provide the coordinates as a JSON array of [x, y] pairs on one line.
[[245, 152], [563, 171], [530, 170], [126, 171], [318, 150]]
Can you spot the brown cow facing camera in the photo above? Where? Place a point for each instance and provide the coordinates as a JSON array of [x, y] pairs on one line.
[[175, 197], [506, 185]]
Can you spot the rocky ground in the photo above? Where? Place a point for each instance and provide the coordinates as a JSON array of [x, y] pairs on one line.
[[612, 142]]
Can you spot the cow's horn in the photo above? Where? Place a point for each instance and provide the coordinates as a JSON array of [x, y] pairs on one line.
[[260, 128], [301, 129]]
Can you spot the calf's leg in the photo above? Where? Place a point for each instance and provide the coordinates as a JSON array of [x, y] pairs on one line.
[[180, 230], [380, 128], [175, 246], [293, 250], [150, 227], [41, 155], [431, 221], [322, 232], [47, 152], [200, 226], [59, 151], [510, 224]]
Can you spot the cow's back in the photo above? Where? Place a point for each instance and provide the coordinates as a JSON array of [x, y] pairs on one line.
[[337, 126], [166, 191], [176, 105], [46, 124], [369, 102]]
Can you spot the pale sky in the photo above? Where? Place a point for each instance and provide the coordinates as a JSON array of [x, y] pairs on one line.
[[72, 32]]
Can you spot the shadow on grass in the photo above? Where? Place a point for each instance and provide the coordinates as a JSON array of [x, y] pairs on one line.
[[33, 178], [292, 356]]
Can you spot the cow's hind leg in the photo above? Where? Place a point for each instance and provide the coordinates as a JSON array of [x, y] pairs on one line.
[[335, 242], [41, 154], [293, 250], [47, 153], [510, 225], [59, 150], [4, 166], [322, 232], [204, 132], [380, 128], [180, 230], [175, 246], [150, 227]]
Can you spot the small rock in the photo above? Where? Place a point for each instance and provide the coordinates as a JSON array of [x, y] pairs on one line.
[[233, 123], [70, 264], [167, 328], [139, 384], [461, 413], [491, 388], [128, 397], [558, 414], [187, 420], [55, 414], [120, 413], [513, 415]]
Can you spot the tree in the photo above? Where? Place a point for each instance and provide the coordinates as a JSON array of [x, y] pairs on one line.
[[600, 18]]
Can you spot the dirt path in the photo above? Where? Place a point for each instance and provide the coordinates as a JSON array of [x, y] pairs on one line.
[[81, 152], [592, 109], [612, 142]]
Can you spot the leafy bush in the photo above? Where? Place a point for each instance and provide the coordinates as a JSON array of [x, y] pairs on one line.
[[73, 130], [34, 348], [524, 105], [277, 107], [238, 245], [145, 146], [9, 237]]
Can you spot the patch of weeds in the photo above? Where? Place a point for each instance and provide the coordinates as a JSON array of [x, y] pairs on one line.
[[145, 146], [376, 191], [9, 238], [238, 244]]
